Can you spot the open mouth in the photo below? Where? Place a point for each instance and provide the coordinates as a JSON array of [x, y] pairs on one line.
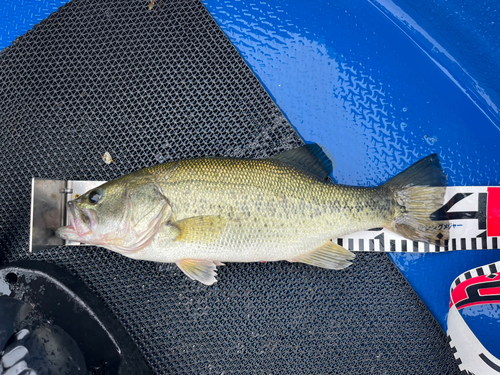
[[81, 223]]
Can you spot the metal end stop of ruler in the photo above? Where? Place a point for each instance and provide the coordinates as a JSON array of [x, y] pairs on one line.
[[48, 210]]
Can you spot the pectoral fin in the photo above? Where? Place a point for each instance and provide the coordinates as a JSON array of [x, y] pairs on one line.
[[330, 255], [201, 270], [200, 229]]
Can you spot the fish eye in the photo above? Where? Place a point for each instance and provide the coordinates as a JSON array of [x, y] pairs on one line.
[[95, 196]]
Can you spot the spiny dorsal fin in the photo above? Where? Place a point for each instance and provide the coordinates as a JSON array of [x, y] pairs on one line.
[[310, 158], [330, 255]]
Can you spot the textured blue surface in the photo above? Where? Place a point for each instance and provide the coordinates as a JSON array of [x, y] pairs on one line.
[[484, 321], [431, 275], [17, 17], [348, 77], [470, 30]]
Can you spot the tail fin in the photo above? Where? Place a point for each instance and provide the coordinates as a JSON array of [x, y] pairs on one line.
[[418, 192]]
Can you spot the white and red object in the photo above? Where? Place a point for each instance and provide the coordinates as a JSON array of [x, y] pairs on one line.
[[475, 287]]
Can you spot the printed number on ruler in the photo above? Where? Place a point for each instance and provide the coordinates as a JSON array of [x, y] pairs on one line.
[[473, 220]]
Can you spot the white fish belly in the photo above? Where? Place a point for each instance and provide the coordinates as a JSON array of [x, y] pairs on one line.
[[230, 251]]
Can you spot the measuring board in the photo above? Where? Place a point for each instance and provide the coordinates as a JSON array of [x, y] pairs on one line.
[[470, 214], [473, 215]]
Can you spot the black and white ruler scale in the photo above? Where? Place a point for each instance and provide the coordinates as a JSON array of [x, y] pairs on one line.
[[473, 214]]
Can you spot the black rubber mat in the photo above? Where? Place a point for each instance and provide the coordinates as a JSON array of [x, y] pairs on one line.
[[149, 86]]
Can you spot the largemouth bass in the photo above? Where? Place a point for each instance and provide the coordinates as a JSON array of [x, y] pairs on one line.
[[201, 212]]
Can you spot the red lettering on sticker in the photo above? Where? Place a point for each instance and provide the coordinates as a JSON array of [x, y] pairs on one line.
[[478, 290], [493, 212], [490, 292]]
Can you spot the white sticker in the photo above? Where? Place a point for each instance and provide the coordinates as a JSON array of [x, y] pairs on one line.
[[474, 287]]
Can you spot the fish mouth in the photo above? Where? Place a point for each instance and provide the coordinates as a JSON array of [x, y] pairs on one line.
[[120, 236], [81, 224]]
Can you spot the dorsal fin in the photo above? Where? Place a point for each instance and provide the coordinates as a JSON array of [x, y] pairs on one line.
[[310, 158]]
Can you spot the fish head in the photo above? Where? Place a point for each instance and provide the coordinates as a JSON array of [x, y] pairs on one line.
[[123, 215]]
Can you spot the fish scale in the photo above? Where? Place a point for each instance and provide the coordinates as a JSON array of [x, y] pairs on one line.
[[200, 212], [297, 211]]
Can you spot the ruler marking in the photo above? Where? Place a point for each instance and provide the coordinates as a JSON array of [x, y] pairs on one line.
[[473, 244], [381, 241], [405, 245], [493, 268], [481, 210], [415, 246]]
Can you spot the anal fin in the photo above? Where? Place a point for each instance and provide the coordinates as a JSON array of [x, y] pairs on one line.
[[202, 270], [330, 256]]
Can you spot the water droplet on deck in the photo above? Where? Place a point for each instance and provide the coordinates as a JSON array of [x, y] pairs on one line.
[[430, 140]]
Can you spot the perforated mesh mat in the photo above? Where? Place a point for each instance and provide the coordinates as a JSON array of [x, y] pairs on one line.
[[149, 86]]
